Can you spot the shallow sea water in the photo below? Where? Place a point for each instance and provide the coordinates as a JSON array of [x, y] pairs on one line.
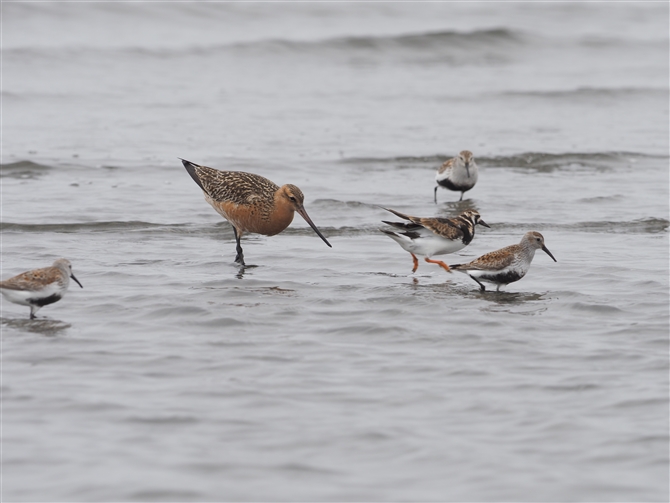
[[335, 374]]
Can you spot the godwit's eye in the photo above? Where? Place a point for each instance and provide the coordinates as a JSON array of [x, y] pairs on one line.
[[292, 198]]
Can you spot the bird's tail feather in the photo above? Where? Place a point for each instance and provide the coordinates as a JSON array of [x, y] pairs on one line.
[[397, 213], [402, 225], [190, 167]]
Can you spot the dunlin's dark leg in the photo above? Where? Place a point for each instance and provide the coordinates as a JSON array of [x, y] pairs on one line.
[[435, 194], [461, 196], [239, 258], [481, 285]]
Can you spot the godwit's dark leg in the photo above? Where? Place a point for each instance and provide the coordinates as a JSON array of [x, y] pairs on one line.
[[438, 262], [481, 285], [416, 262], [435, 194], [239, 258]]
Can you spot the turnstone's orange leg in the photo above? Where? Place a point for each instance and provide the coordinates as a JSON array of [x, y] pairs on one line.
[[440, 263], [416, 262]]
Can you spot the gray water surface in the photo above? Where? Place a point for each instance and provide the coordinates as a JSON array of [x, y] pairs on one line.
[[335, 374]]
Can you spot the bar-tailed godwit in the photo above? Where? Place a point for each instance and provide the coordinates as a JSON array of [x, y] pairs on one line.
[[39, 287], [506, 265], [251, 203], [434, 236], [459, 174]]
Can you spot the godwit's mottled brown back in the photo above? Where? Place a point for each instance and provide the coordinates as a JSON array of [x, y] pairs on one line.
[[235, 186]]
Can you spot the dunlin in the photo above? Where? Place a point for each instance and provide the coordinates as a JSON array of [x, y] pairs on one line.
[[459, 174], [39, 287], [506, 265]]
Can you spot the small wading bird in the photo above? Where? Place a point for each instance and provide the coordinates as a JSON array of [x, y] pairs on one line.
[[459, 174], [250, 202], [434, 236], [39, 287], [506, 265]]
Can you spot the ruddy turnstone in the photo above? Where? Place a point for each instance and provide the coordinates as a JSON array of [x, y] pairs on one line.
[[459, 174], [434, 236], [251, 203], [506, 265], [39, 287]]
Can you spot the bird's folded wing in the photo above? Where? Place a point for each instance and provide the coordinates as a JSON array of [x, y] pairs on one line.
[[234, 186], [442, 227], [27, 280], [445, 166], [493, 261]]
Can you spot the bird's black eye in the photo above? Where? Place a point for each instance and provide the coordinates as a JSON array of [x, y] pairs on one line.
[[292, 198]]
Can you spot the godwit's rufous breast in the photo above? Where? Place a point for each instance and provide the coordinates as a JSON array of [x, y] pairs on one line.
[[459, 174], [251, 203], [506, 265], [39, 287], [434, 236]]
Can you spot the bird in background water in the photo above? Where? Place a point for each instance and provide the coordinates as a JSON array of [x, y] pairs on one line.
[[506, 265], [39, 287], [458, 174], [251, 203], [434, 236]]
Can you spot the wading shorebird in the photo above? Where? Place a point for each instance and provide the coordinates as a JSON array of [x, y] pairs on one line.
[[39, 287], [251, 203], [506, 265], [459, 174], [434, 236]]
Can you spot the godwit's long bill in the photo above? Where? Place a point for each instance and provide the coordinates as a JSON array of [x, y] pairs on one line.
[[251, 203], [434, 236]]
